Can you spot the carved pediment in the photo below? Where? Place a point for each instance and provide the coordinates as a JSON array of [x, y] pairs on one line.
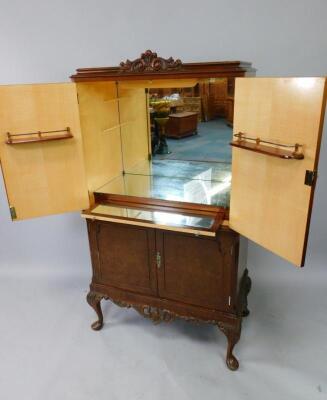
[[150, 62]]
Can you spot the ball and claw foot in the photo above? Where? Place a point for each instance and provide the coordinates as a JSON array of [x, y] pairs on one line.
[[94, 300]]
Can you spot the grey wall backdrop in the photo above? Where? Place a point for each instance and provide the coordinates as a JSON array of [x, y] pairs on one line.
[[43, 41]]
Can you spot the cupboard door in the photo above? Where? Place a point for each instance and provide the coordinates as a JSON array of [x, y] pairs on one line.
[[196, 270], [271, 195], [126, 257], [42, 161]]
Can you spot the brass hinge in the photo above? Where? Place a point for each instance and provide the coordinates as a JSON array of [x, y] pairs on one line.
[[149, 157], [77, 98], [310, 177], [158, 258], [229, 300], [13, 212]]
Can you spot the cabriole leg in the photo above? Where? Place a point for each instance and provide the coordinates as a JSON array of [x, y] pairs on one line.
[[232, 334], [94, 300]]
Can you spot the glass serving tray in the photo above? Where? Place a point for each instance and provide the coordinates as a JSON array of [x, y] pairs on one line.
[[157, 217]]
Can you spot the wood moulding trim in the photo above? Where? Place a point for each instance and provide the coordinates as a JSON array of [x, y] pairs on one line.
[[168, 207], [165, 204], [161, 310], [150, 66], [177, 307], [156, 314], [217, 217]]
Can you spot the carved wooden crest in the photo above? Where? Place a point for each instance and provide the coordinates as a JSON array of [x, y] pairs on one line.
[[150, 62]]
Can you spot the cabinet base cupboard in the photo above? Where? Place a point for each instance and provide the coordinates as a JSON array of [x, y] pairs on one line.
[[168, 237], [166, 275]]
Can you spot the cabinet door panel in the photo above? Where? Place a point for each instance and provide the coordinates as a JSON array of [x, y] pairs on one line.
[[127, 257], [133, 115], [45, 177], [270, 202], [196, 270]]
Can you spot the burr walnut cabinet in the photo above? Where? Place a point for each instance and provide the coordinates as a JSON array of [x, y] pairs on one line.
[[167, 243]]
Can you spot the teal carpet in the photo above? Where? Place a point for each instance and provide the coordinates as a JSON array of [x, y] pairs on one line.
[[210, 144]]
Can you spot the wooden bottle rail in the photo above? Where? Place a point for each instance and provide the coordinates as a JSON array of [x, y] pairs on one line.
[[20, 138], [280, 150]]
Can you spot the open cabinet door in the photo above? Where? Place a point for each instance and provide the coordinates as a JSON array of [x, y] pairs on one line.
[[272, 186], [41, 150]]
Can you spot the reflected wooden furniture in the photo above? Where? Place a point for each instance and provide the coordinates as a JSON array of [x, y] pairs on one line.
[[230, 110], [167, 256], [182, 124], [193, 104], [218, 99]]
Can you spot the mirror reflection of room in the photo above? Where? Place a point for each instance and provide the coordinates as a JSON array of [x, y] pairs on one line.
[[191, 128], [175, 141], [201, 115]]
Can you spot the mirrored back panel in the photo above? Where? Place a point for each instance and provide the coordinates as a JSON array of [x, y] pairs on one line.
[[175, 140], [187, 190]]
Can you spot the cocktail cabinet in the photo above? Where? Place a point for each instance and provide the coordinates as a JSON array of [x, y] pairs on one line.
[[168, 220]]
